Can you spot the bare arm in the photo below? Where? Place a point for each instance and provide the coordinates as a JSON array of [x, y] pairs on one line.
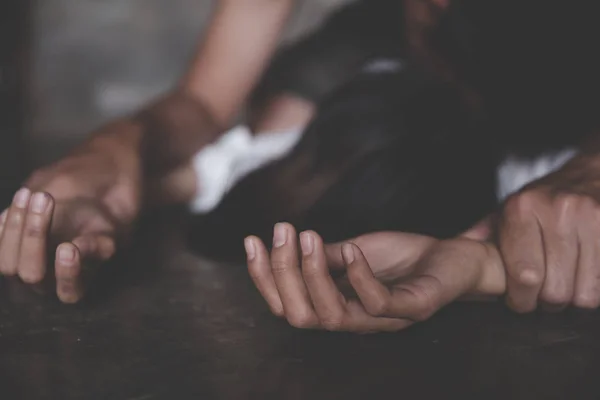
[[236, 47]]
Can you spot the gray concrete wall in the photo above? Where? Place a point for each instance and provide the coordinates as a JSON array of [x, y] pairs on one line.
[[94, 60]]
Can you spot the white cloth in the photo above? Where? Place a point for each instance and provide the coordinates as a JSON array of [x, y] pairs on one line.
[[514, 173], [236, 154]]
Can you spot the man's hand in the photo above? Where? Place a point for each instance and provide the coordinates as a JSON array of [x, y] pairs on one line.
[[78, 209], [549, 238], [395, 279]]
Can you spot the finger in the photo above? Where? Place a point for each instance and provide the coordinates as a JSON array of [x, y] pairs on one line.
[[259, 267], [415, 300], [522, 250], [13, 228], [76, 257], [561, 249], [587, 279], [337, 313], [288, 278], [333, 256], [327, 300], [374, 296], [32, 261], [381, 247]]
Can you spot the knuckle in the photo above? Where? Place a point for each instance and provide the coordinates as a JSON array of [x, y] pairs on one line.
[[15, 219], [332, 323], [277, 311], [311, 271], [31, 276], [526, 273], [354, 272], [35, 227], [426, 303], [256, 274], [566, 206], [301, 320], [521, 203], [587, 300], [280, 266], [566, 201], [378, 307]]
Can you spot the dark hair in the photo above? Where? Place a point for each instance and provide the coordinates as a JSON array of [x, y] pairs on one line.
[[389, 151]]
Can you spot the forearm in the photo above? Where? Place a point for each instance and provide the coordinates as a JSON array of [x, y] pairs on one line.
[[238, 43], [236, 48], [173, 129], [162, 136], [155, 146]]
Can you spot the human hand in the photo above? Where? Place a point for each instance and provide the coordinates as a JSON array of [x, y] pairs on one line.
[[549, 239], [397, 278], [78, 208]]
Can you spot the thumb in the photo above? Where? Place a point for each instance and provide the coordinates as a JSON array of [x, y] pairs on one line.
[[382, 249]]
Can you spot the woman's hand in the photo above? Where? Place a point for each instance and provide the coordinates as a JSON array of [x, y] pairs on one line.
[[396, 279]]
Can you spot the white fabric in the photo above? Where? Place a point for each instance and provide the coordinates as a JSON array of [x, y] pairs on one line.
[[236, 154], [514, 172]]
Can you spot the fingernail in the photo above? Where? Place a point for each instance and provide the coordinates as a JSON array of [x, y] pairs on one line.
[[22, 198], [348, 253], [307, 243], [250, 249], [279, 235], [39, 202], [66, 253]]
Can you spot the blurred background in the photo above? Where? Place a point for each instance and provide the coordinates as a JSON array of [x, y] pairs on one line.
[[67, 66], [14, 74], [94, 60]]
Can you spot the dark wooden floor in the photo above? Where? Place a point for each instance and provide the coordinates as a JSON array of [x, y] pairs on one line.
[[173, 325]]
